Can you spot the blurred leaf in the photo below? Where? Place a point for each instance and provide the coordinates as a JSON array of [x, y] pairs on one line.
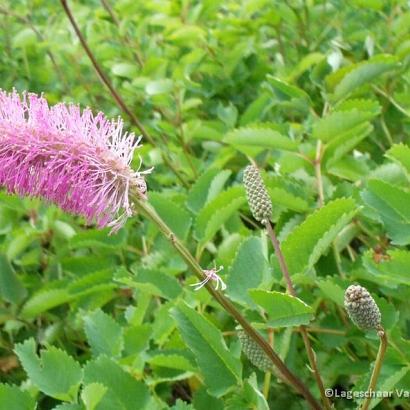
[[122, 390], [316, 233], [11, 288], [283, 310], [55, 373], [12, 398], [249, 269], [364, 73], [104, 334], [220, 369]]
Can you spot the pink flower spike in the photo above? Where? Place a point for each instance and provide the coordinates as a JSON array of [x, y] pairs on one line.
[[211, 274], [73, 158]]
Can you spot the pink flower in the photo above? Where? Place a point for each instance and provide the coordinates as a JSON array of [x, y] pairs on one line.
[[77, 160]]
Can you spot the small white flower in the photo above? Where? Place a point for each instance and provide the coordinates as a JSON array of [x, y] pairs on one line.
[[211, 274]]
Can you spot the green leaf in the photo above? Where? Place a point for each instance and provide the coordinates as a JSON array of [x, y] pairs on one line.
[[285, 91], [220, 369], [283, 310], [126, 70], [262, 137], [123, 390], [92, 394], [309, 241], [212, 217], [364, 73], [198, 194], [281, 197], [394, 268], [156, 282], [249, 269], [178, 219], [45, 300], [339, 122], [345, 142], [96, 238], [400, 154], [391, 204], [331, 290], [159, 86], [104, 334], [173, 361], [55, 373], [217, 184], [12, 398], [11, 289]]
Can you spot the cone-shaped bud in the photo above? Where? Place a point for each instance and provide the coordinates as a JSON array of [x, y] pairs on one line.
[[254, 353], [258, 198], [362, 308]]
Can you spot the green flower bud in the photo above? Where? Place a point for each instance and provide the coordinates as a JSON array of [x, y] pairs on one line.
[[258, 197], [362, 308], [255, 353]]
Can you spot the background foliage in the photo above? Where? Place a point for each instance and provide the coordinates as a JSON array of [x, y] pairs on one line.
[[90, 321]]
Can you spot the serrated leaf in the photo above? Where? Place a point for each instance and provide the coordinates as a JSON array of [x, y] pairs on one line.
[[283, 310], [217, 184], [12, 398], [123, 390], [360, 104], [339, 122], [345, 143], [331, 290], [55, 373], [220, 369], [45, 300], [104, 334], [262, 137], [281, 197], [394, 267], [310, 240], [248, 270], [177, 218], [364, 73], [285, 91], [400, 154], [92, 394], [98, 239], [198, 194], [157, 283], [391, 204], [11, 289], [211, 218], [173, 361]]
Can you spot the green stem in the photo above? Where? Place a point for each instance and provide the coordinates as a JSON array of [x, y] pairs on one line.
[[376, 369], [310, 353], [285, 373]]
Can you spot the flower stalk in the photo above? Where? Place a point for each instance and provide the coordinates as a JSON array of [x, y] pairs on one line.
[[289, 377], [261, 208], [377, 367]]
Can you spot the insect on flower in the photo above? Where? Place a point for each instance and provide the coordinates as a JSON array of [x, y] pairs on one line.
[[211, 274], [73, 158]]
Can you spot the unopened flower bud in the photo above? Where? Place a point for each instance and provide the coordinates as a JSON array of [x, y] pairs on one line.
[[362, 308], [258, 197], [254, 353]]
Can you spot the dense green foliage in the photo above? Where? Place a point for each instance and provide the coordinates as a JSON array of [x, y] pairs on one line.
[[317, 93]]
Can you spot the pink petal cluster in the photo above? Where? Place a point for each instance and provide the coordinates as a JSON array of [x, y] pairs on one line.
[[77, 160]]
